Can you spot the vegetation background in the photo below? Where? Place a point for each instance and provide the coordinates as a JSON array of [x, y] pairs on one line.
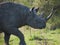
[[48, 36]]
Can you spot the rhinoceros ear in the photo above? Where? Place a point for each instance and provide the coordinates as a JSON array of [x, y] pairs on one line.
[[34, 9]]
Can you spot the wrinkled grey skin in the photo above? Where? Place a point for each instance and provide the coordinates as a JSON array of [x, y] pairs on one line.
[[13, 16]]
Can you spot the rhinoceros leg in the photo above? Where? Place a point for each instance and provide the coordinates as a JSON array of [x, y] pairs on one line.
[[16, 32], [6, 38]]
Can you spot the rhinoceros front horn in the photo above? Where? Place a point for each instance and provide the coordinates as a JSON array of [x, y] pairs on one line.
[[50, 15]]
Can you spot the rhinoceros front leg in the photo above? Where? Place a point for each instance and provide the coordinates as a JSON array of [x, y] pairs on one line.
[[16, 32], [6, 38]]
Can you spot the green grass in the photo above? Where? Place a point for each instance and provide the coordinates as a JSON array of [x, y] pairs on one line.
[[34, 36]]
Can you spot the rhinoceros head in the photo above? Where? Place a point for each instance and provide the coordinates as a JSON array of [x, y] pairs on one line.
[[37, 21]]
